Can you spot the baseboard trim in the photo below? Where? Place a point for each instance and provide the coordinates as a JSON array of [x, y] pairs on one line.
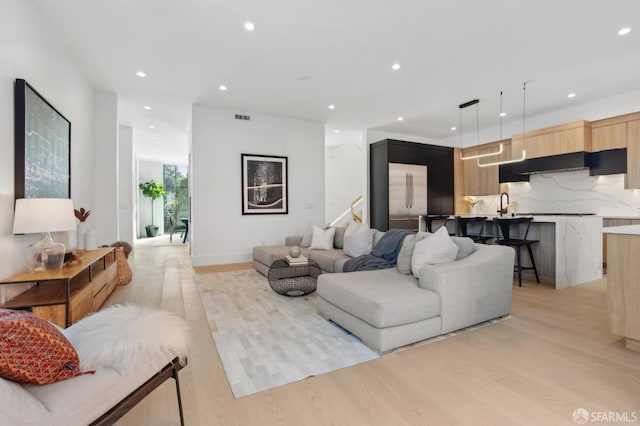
[[222, 259]]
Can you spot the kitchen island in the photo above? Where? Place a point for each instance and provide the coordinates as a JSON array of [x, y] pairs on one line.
[[623, 289], [570, 249]]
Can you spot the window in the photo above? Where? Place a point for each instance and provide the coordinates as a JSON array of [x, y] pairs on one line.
[[176, 201]]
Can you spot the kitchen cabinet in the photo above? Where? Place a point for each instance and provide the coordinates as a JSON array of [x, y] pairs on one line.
[[563, 139], [483, 180], [623, 288], [440, 180], [608, 222], [632, 180], [612, 136]]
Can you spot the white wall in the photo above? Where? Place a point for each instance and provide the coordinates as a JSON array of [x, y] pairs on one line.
[[29, 50], [219, 232], [104, 216], [343, 177], [148, 170], [126, 185]]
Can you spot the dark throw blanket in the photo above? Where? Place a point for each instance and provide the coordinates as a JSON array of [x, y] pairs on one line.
[[383, 255]]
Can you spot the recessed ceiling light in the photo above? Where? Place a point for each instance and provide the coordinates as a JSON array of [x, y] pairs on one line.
[[152, 127], [141, 74], [332, 106], [147, 107], [400, 118], [249, 26], [623, 31], [222, 87], [154, 138], [571, 95], [453, 128], [395, 67], [336, 131], [503, 114]]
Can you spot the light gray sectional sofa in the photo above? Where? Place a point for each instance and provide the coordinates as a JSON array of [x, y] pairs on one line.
[[391, 308]]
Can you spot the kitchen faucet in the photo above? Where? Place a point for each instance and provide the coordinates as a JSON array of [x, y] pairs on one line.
[[504, 209]]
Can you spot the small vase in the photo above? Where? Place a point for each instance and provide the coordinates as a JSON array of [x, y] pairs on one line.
[[474, 209], [91, 240], [81, 233], [294, 251]]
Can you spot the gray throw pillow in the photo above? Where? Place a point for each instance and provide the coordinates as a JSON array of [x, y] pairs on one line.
[[338, 238], [466, 246], [403, 262]]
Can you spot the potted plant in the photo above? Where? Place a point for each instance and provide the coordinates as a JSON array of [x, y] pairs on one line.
[[152, 190]]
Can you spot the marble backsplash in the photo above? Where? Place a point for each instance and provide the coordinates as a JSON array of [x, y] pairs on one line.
[[569, 192]]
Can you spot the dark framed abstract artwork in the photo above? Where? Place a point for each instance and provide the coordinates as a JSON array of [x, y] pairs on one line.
[[42, 146], [264, 184]]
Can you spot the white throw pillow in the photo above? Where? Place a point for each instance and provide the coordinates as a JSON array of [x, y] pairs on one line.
[[438, 248], [358, 240], [322, 239]]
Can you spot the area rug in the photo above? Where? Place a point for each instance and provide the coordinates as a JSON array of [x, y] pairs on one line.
[[266, 340]]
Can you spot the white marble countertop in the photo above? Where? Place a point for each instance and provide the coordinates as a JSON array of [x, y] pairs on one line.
[[628, 229]]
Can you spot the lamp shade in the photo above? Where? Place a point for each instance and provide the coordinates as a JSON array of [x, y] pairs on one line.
[[36, 215]]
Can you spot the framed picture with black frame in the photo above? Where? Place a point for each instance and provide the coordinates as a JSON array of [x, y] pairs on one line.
[[264, 184], [42, 146]]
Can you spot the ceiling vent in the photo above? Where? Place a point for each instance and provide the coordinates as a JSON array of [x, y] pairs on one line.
[[243, 117]]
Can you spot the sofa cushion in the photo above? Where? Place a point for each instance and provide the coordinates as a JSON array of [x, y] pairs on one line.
[[307, 236], [32, 350], [382, 298], [403, 263], [269, 254], [358, 240], [322, 239], [466, 246], [338, 238], [438, 248], [327, 258]]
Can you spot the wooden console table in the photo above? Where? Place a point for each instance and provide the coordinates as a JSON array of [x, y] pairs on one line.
[[64, 297]]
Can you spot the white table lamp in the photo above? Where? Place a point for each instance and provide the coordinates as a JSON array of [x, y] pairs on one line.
[[44, 215]]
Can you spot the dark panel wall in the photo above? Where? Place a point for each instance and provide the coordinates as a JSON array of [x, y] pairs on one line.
[[439, 162]]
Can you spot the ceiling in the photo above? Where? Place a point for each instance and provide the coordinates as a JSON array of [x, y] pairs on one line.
[[305, 55]]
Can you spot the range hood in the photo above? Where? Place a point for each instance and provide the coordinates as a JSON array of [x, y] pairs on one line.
[[599, 163], [519, 172]]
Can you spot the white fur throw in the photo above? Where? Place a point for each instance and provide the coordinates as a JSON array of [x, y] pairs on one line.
[[125, 337]]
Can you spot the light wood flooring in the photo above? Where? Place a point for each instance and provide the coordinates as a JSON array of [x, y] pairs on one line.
[[554, 355]]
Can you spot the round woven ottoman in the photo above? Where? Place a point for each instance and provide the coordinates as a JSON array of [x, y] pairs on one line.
[[293, 280]]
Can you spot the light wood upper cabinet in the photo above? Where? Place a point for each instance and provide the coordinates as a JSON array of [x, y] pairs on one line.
[[483, 180], [632, 180], [563, 139], [612, 136]]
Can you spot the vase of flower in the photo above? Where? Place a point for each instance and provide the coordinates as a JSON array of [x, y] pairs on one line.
[[81, 232], [472, 202]]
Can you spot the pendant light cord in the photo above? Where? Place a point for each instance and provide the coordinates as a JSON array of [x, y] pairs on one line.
[[477, 128], [524, 107]]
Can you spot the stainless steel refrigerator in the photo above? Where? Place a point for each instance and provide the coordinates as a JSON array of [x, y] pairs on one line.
[[407, 195]]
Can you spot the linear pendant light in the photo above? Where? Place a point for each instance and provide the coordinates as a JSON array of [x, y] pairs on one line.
[[472, 157], [524, 152]]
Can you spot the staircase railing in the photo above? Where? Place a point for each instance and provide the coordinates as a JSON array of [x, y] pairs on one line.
[[350, 211]]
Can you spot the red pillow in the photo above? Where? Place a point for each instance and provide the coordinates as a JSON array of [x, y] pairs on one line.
[[32, 350]]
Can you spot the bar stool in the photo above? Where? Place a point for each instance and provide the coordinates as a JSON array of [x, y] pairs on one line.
[[503, 226], [429, 219], [463, 229]]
